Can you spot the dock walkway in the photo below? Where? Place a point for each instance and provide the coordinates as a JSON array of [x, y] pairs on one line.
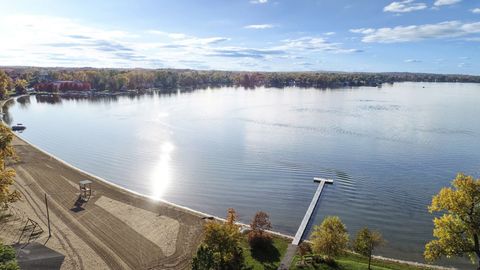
[[292, 248]]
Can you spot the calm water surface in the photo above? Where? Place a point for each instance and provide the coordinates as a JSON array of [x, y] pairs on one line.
[[389, 150]]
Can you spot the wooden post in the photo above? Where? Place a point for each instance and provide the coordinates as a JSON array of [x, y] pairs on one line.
[[48, 216]]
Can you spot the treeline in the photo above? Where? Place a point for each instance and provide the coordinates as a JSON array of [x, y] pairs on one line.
[[128, 79]]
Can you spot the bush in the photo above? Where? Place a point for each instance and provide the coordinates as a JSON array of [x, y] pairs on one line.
[[7, 258]]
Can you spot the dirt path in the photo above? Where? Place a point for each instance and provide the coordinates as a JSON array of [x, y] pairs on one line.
[[96, 236]]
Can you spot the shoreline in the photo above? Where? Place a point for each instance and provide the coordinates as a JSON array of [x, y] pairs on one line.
[[202, 214], [180, 208]]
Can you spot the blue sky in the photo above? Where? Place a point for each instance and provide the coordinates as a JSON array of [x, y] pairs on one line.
[[440, 36]]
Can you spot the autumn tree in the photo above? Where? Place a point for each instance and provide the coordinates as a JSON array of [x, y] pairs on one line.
[[21, 86], [220, 248], [122, 81], [7, 175], [258, 236], [457, 231], [4, 85], [330, 238], [366, 241]]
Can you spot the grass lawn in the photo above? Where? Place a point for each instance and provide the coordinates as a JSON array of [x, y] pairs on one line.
[[268, 258], [356, 262]]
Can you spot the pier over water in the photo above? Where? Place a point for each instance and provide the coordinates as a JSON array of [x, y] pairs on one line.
[[292, 248]]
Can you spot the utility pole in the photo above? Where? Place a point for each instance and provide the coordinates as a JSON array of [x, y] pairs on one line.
[[48, 216]]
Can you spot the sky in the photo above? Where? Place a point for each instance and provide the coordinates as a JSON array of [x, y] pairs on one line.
[[437, 36]]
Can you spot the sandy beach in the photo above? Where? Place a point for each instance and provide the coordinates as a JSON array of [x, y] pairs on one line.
[[115, 229]]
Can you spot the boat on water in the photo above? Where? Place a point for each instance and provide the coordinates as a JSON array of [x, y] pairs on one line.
[[18, 127]]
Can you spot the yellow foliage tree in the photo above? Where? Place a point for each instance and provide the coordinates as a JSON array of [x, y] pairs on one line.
[[222, 241], [330, 238], [7, 175], [457, 231], [5, 84]]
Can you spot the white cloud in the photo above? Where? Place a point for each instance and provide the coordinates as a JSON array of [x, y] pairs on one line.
[[362, 31], [476, 10], [56, 41], [259, 1], [259, 26], [315, 44], [410, 33], [329, 33], [446, 2], [183, 39], [473, 39], [412, 61], [404, 6]]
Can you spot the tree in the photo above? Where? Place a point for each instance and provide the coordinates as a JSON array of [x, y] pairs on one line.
[[457, 231], [4, 85], [231, 217], [120, 82], [366, 241], [330, 238], [260, 223], [21, 86], [220, 248], [7, 258], [7, 175]]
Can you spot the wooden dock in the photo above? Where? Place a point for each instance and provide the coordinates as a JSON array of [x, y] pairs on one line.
[[292, 248], [310, 210]]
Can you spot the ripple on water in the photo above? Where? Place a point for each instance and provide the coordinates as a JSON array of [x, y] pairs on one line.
[[387, 152]]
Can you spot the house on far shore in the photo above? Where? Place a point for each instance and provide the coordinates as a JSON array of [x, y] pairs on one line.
[[62, 86]]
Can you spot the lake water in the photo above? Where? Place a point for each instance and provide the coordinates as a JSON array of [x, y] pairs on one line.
[[388, 149]]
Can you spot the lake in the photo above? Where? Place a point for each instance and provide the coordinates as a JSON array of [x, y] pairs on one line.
[[388, 150]]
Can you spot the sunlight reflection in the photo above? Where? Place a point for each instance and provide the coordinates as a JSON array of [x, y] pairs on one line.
[[162, 173]]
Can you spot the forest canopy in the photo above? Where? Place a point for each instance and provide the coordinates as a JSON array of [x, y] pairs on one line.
[[125, 79]]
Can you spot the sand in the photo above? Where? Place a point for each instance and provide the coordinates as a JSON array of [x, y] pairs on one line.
[[115, 229]]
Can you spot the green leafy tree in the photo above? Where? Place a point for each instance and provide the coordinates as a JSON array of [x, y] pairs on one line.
[[366, 241], [7, 258], [7, 175], [457, 231], [330, 238]]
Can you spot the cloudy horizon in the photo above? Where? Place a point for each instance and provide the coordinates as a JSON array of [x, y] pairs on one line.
[[435, 36]]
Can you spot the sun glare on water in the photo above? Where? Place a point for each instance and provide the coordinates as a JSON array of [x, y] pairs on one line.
[[162, 173]]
